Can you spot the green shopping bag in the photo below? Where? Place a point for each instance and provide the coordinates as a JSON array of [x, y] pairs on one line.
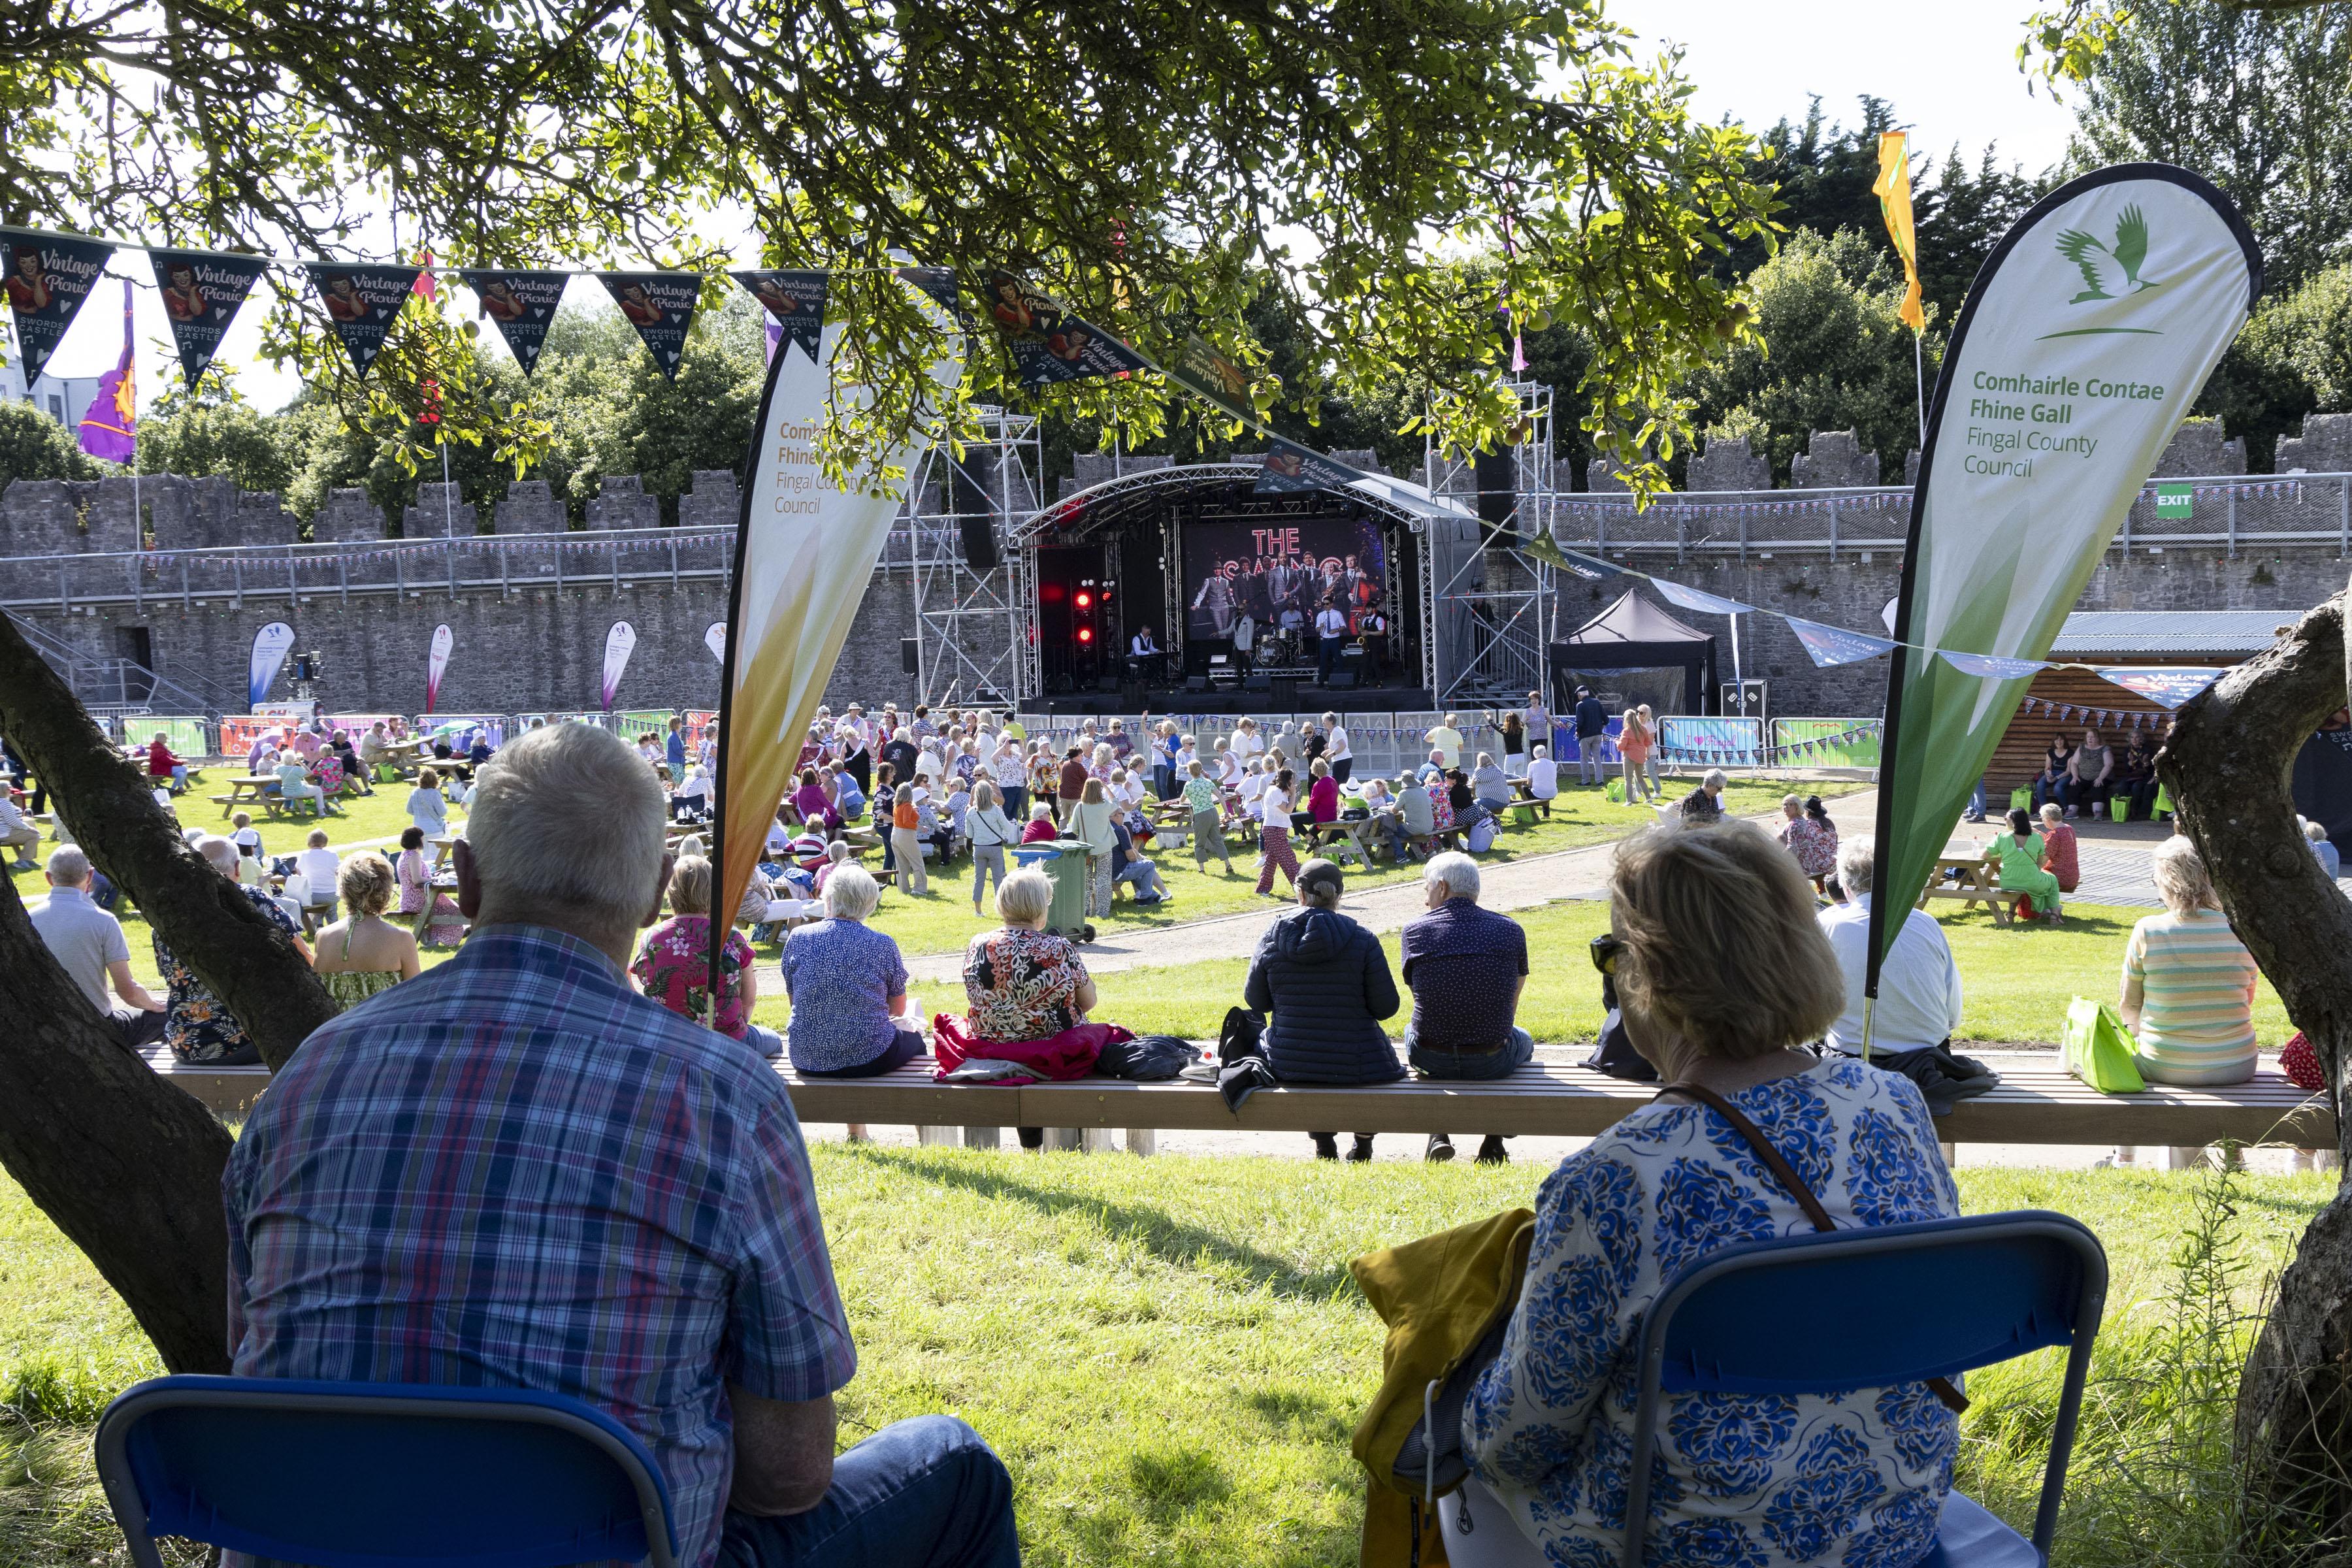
[[2119, 807], [1615, 790], [2021, 800], [2098, 1048]]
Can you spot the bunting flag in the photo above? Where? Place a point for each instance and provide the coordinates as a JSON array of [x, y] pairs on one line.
[[2085, 338], [2166, 686], [522, 305], [361, 302], [1048, 344], [436, 664], [1704, 603], [795, 302], [939, 283], [110, 426], [49, 275], [1829, 647], [805, 552], [619, 643], [660, 305], [1893, 193], [1290, 466], [203, 291], [1199, 369]]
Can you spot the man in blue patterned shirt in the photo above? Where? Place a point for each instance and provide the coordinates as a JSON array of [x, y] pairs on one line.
[[515, 1172]]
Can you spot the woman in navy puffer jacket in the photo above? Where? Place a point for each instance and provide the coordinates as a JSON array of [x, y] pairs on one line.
[[1326, 981]]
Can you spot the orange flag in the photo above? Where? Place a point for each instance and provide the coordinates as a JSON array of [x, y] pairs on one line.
[[1893, 192]]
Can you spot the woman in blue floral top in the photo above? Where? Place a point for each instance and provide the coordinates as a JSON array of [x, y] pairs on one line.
[[1723, 976]]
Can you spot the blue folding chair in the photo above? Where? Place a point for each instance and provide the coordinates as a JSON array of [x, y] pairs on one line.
[[380, 1475], [1840, 1310]]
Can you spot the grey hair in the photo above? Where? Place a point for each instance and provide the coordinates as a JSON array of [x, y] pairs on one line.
[[1025, 897], [851, 893], [220, 852], [2181, 879], [1454, 871], [567, 818], [1716, 779], [1857, 863], [69, 866]]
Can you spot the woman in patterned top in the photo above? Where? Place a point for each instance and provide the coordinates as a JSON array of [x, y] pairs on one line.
[[673, 967], [1023, 982], [1808, 839], [196, 1025], [1723, 976], [363, 953]]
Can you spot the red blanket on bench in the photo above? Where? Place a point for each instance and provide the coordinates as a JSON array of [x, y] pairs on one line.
[[1068, 1054]]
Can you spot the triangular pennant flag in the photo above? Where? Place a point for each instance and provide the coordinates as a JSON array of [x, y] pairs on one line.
[[1991, 667], [522, 305], [361, 302], [1047, 344], [203, 291], [1290, 466], [795, 301], [49, 275], [2166, 686], [660, 305], [1684, 598], [1200, 368], [1831, 645]]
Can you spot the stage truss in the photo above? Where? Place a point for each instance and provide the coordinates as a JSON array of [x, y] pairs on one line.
[[1497, 654], [975, 635]]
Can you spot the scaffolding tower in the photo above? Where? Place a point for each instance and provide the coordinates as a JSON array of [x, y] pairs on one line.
[[972, 587], [1485, 600]]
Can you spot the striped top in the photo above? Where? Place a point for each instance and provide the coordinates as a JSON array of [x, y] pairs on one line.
[[2193, 982]]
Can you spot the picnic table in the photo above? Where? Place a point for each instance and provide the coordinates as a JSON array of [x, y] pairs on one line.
[[441, 843], [1977, 883], [254, 789], [1348, 839]]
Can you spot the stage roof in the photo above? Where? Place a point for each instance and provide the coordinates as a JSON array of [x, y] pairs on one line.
[[1117, 499], [1634, 619]]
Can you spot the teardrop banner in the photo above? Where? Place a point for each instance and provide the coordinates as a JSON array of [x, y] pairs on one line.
[[435, 663], [49, 275], [619, 643], [804, 551], [660, 305], [715, 639], [522, 305], [795, 301], [361, 302], [270, 645], [203, 291], [2087, 335]]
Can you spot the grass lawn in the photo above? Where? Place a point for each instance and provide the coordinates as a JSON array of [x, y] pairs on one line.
[[1171, 1356], [2018, 980]]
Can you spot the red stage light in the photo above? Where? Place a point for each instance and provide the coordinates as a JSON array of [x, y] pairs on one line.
[[1086, 634], [1084, 599]]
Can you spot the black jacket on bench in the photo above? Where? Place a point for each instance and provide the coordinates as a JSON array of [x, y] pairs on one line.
[[1326, 981]]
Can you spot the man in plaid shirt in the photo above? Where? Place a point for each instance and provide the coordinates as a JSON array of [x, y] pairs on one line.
[[516, 1172]]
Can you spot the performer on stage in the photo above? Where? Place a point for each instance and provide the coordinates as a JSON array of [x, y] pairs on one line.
[[1142, 655], [1330, 637], [1216, 597]]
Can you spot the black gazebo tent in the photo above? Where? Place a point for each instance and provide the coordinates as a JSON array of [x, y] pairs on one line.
[[1634, 634]]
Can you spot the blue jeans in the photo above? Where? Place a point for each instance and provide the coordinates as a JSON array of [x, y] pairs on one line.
[[1977, 801], [924, 1493], [1439, 1062]]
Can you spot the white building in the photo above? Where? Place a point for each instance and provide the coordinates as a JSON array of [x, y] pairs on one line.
[[63, 398]]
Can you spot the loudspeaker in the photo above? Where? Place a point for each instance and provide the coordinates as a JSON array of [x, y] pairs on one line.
[[1341, 679], [907, 659], [1498, 480], [1196, 683], [978, 544], [1259, 683]]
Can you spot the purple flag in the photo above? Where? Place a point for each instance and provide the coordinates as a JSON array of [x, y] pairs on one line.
[[109, 429], [2166, 686], [1829, 646]]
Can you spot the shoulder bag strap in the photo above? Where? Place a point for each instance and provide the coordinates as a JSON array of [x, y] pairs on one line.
[[1786, 1174]]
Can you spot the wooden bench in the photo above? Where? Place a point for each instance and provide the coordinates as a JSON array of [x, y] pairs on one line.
[[2036, 1103], [1977, 884]]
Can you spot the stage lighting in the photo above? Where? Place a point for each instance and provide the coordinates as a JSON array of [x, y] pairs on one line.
[[1086, 634], [1086, 600]]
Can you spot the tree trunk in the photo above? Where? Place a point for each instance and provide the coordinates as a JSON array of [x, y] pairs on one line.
[[127, 1166], [2227, 766]]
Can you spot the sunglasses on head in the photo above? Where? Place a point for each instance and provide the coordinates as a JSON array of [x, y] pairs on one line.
[[1607, 949]]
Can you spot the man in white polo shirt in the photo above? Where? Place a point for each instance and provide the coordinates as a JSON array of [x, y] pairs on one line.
[[1919, 986], [88, 945]]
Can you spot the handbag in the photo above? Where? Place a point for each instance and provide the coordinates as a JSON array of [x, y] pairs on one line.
[[2021, 800], [2098, 1049], [1786, 1174]]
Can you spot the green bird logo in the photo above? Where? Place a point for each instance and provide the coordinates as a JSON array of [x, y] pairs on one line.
[[2109, 271]]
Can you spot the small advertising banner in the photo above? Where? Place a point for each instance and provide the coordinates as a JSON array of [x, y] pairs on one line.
[[522, 305], [1829, 647], [795, 301], [435, 663], [49, 275], [270, 646], [619, 643], [715, 639], [1048, 344], [660, 305], [361, 302], [1290, 466], [201, 291]]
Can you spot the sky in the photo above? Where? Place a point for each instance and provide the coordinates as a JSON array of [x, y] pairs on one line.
[[1949, 71]]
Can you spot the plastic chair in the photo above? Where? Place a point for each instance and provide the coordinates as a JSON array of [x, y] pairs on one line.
[[369, 1475], [1836, 1311]]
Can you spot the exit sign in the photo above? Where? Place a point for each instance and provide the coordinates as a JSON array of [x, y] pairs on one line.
[[2176, 500]]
